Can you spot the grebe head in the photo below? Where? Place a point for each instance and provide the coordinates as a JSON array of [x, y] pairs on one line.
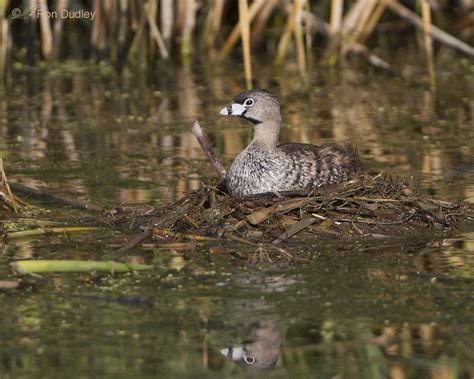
[[257, 105]]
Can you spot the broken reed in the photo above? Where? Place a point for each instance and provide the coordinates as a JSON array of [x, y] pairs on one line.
[[136, 30]]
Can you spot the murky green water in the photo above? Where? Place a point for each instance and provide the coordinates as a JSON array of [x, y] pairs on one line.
[[348, 311]]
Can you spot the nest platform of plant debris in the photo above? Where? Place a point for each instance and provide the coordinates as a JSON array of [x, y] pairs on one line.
[[374, 208]]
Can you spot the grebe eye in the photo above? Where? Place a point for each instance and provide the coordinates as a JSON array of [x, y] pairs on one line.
[[249, 360], [249, 102]]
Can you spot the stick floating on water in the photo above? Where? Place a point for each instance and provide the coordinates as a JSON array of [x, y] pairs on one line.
[[42, 231], [41, 266], [207, 147]]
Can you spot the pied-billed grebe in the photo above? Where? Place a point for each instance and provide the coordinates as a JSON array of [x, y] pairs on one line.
[[265, 166]]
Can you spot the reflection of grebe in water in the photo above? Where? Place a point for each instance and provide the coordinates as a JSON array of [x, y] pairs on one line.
[[261, 350], [265, 166]]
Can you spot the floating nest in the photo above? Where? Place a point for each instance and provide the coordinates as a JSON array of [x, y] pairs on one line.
[[371, 208]]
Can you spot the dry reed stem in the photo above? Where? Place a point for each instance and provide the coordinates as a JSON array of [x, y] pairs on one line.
[[46, 34], [31, 34], [436, 32], [4, 44], [348, 24], [285, 39], [362, 20], [337, 9], [261, 22], [319, 25], [245, 34], [372, 22], [98, 35], [122, 33], [167, 17], [58, 28], [155, 32], [96, 24], [428, 41], [5, 41], [235, 34], [188, 26], [300, 50], [213, 23], [137, 38], [309, 30], [151, 7], [350, 20]]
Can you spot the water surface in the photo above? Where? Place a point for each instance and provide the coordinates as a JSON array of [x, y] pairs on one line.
[[352, 310]]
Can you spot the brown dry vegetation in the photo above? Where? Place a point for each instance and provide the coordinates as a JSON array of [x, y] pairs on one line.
[[372, 208]]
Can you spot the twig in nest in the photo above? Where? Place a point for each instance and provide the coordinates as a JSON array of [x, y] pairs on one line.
[[207, 147], [296, 228], [135, 241]]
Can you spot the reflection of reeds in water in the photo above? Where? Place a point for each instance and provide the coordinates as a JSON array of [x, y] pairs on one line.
[[125, 30], [365, 348], [76, 120]]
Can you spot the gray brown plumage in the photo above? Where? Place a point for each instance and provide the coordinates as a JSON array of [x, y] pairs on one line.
[[265, 166]]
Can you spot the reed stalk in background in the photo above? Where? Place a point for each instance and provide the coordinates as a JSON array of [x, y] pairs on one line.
[[372, 22], [436, 33], [46, 33], [428, 42], [58, 28], [167, 20], [235, 34], [150, 10], [309, 31], [122, 34], [356, 25], [361, 20], [335, 32], [5, 38], [189, 22], [98, 31], [337, 9], [244, 22], [285, 39], [139, 22], [299, 38], [261, 22], [213, 22], [117, 22], [31, 34]]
